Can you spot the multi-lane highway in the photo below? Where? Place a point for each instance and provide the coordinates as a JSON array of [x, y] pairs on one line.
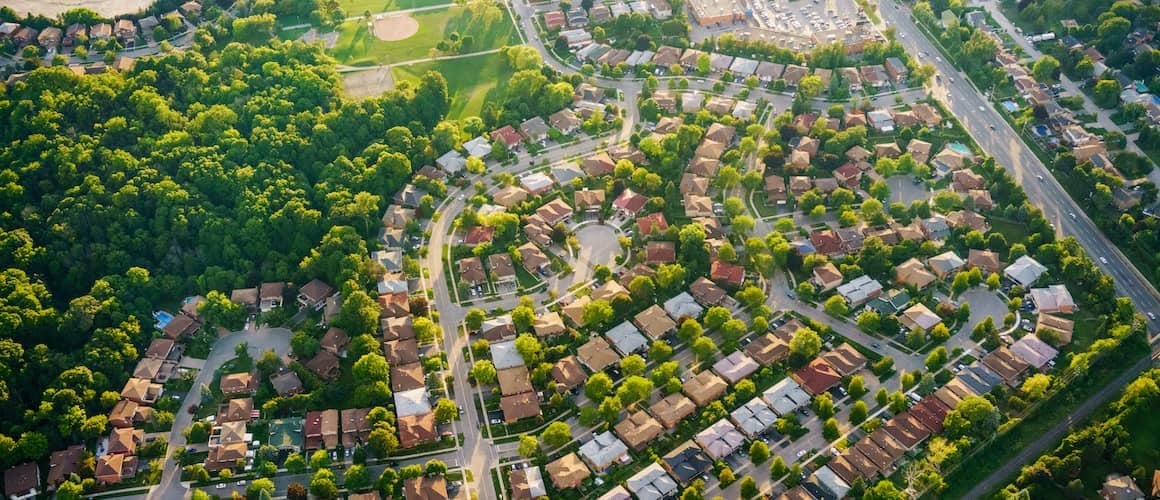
[[1002, 142]]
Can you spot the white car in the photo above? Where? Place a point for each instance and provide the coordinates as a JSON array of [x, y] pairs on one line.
[[1103, 260], [802, 453], [1152, 316], [1071, 214]]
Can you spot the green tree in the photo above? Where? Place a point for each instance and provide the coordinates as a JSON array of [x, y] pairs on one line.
[[805, 343], [858, 412], [557, 434], [937, 358], [483, 371], [749, 487], [836, 306], [357, 478], [1107, 94], [598, 386], [830, 429], [322, 484], [758, 452], [1045, 69], [529, 446]]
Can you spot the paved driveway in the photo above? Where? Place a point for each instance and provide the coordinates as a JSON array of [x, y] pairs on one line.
[[904, 190]]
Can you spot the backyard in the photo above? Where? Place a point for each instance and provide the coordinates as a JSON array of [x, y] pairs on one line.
[[486, 26], [471, 82]]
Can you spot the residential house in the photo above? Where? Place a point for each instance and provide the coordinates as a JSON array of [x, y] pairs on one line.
[[534, 129], [913, 273], [567, 472], [920, 317], [860, 290], [314, 294], [896, 70], [565, 121], [236, 384], [817, 377], [827, 277], [1053, 299]]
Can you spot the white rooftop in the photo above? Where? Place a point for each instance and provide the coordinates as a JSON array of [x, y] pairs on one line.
[[720, 439], [478, 147], [859, 289], [536, 182], [603, 449], [735, 367], [1034, 351], [754, 417], [451, 162], [626, 338], [1025, 270], [412, 402], [683, 305], [504, 355], [652, 483], [785, 396]]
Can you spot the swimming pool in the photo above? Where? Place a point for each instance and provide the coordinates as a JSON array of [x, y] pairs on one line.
[[960, 148], [163, 318], [1041, 130]]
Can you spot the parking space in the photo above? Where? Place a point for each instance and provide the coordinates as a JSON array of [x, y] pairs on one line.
[[905, 189], [804, 18]]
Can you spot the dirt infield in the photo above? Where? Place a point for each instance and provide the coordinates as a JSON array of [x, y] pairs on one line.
[[397, 27]]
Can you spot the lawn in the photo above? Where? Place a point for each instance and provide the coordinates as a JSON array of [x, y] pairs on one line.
[[489, 26], [354, 8], [471, 82], [1014, 231]]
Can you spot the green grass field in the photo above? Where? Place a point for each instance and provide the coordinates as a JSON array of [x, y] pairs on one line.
[[355, 8], [471, 81], [488, 25]]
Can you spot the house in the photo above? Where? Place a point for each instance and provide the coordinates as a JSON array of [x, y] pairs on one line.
[[548, 325], [827, 277], [986, 260], [704, 167], [127, 413], [767, 71], [425, 488], [507, 136], [966, 180], [1006, 365], [919, 150], [945, 264], [394, 305], [1053, 299], [568, 374], [471, 271], [767, 349], [1059, 330], [50, 37], [180, 326], [553, 20], [653, 223], [565, 121], [534, 129], [533, 259], [1120, 487], [906, 429], [598, 164], [720, 439], [793, 74], [727, 274], [141, 391], [693, 184], [881, 120], [602, 451], [1025, 271], [597, 354], [527, 484], [651, 483], [851, 239], [817, 377], [124, 441], [1033, 351], [509, 196], [567, 472], [826, 242], [698, 206], [536, 183], [704, 388], [314, 294], [236, 384], [502, 270], [638, 430], [920, 317], [719, 105], [969, 220], [845, 359], [735, 367], [849, 174], [61, 465], [286, 383], [875, 75], [324, 364], [687, 463], [629, 203], [626, 338], [112, 469], [775, 190], [335, 341], [887, 150], [236, 410], [406, 377], [100, 31], [860, 290], [684, 306], [936, 228], [415, 430], [660, 252], [896, 70], [22, 482]]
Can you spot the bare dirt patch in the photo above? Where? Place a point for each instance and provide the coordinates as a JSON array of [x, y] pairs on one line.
[[391, 28], [368, 83]]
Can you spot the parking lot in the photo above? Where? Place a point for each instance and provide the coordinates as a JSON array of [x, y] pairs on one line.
[[805, 17]]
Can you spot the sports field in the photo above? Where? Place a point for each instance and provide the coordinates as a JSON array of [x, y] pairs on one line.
[[355, 8], [488, 26], [471, 81]]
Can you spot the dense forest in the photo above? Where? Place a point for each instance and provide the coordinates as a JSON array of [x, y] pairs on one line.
[[208, 169]]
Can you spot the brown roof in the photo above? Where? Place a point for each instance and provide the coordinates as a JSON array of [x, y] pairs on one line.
[[826, 242], [706, 292], [159, 348], [596, 354], [425, 488], [660, 252], [114, 468], [394, 304], [1062, 327], [575, 310], [398, 328], [845, 359], [407, 377], [124, 441], [817, 377], [64, 463], [141, 390], [1009, 367], [732, 274], [588, 198], [501, 265], [598, 164], [638, 430], [767, 349], [324, 364], [316, 291], [985, 260], [568, 471], [888, 444], [236, 410], [238, 383], [654, 322], [21, 479], [704, 388], [549, 324], [654, 222], [471, 270], [417, 429], [514, 380], [913, 272], [401, 352], [905, 428], [179, 326], [519, 406], [335, 340], [672, 409], [568, 373], [286, 383]]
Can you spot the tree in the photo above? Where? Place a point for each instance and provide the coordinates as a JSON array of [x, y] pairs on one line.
[[973, 417], [632, 364], [446, 410], [836, 306], [357, 478], [598, 386], [659, 350], [1107, 94], [810, 87], [557, 434], [884, 490], [937, 358], [830, 429], [881, 396], [1045, 69], [474, 319], [530, 348], [898, 402], [295, 491], [758, 452], [858, 412], [294, 463], [805, 343], [777, 469], [1036, 386], [529, 446], [856, 387], [597, 312], [749, 487], [258, 486], [322, 484], [483, 371], [704, 348], [824, 405]]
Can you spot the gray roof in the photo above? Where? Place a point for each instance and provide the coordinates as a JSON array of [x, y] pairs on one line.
[[626, 338], [412, 402], [504, 355], [652, 483]]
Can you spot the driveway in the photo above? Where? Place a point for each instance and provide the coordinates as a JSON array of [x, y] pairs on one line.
[[904, 190], [599, 244]]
